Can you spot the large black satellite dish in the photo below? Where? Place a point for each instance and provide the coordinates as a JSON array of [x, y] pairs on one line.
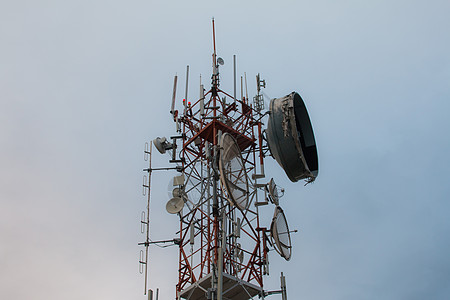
[[291, 138]]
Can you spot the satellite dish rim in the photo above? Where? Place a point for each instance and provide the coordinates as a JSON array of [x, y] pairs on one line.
[[293, 146], [273, 193]]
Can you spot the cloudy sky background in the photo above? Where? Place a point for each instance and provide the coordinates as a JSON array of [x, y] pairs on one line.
[[83, 84]]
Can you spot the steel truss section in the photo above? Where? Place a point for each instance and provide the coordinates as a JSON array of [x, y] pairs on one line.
[[215, 235]]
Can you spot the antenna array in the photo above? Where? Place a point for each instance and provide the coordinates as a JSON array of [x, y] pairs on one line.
[[219, 152]]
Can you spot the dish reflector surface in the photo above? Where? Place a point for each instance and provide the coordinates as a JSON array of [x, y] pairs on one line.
[[232, 172], [279, 230], [174, 205]]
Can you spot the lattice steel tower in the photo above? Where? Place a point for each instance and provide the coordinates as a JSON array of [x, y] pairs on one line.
[[219, 150]]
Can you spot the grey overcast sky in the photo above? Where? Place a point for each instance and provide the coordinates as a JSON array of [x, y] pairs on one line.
[[83, 84]]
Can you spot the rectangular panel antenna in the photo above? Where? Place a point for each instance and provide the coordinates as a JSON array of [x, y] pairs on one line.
[[172, 109]]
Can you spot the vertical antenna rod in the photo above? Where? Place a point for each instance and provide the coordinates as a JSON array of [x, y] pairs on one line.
[[234, 75], [214, 40], [242, 90], [186, 94], [202, 99], [215, 76], [246, 91]]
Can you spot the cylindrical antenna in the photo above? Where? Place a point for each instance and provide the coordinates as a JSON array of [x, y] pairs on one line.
[[283, 287], [266, 265], [257, 84], [191, 240], [237, 229], [234, 73], [172, 109], [214, 40], [202, 100], [186, 94], [261, 154], [214, 48], [150, 295], [214, 65]]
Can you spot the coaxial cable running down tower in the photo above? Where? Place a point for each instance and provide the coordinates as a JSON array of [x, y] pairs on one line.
[[219, 150]]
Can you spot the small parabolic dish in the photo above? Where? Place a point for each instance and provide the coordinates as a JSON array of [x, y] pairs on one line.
[[232, 172], [175, 187], [273, 192], [291, 138], [174, 205], [279, 231], [177, 192]]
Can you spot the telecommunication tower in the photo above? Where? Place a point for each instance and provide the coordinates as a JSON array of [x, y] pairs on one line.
[[218, 150]]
